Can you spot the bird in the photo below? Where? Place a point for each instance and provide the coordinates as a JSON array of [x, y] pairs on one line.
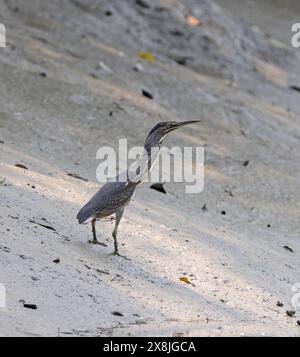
[[115, 195]]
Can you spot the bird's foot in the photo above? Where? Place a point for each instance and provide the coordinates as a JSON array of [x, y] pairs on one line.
[[119, 255], [97, 242]]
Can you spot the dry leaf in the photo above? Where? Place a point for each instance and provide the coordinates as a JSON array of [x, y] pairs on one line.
[[192, 21], [184, 279], [147, 56]]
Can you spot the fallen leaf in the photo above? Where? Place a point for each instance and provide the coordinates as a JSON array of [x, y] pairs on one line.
[[117, 313], [184, 279], [159, 187], [47, 226], [142, 4], [288, 248], [204, 208], [290, 313], [193, 21], [296, 88], [146, 56], [21, 166], [147, 94], [78, 177], [30, 306]]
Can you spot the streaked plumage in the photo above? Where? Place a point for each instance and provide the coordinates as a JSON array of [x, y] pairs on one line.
[[114, 196]]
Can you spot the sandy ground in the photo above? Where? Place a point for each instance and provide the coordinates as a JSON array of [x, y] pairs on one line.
[[58, 106]]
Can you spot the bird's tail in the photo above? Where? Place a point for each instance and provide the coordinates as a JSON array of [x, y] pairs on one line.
[[83, 214]]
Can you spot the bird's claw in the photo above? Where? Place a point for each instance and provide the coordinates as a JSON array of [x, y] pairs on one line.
[[119, 255], [97, 242]]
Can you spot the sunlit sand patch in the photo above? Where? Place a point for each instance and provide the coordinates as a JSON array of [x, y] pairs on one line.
[[105, 48], [275, 109], [215, 175], [271, 72], [187, 74], [52, 187], [39, 48], [113, 91]]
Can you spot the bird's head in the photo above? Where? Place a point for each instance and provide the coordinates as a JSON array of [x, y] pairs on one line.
[[160, 130]]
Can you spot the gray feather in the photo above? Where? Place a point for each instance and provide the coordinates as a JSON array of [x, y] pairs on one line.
[[110, 198]]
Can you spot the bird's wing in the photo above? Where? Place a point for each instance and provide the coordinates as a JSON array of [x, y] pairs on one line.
[[110, 197]]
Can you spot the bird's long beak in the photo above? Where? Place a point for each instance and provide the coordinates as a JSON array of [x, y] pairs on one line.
[[178, 125]]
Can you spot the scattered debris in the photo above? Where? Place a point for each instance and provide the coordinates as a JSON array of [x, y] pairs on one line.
[[104, 68], [47, 226], [288, 248], [102, 271], [181, 61], [56, 261], [146, 56], [30, 306], [21, 166], [108, 13], [178, 334], [142, 4], [193, 21], [5, 249], [117, 313], [184, 279], [147, 94], [159, 187], [13, 217], [296, 88], [138, 67], [78, 177], [227, 190], [279, 303], [290, 313], [176, 33]]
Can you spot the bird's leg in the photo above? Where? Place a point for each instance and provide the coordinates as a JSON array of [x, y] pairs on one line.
[[95, 241], [119, 215]]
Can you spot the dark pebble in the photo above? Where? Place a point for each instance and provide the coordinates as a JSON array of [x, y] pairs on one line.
[[30, 306], [159, 187], [147, 94], [290, 313], [117, 313], [21, 166], [288, 248]]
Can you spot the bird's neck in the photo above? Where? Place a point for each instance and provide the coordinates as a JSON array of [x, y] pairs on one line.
[[152, 152]]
